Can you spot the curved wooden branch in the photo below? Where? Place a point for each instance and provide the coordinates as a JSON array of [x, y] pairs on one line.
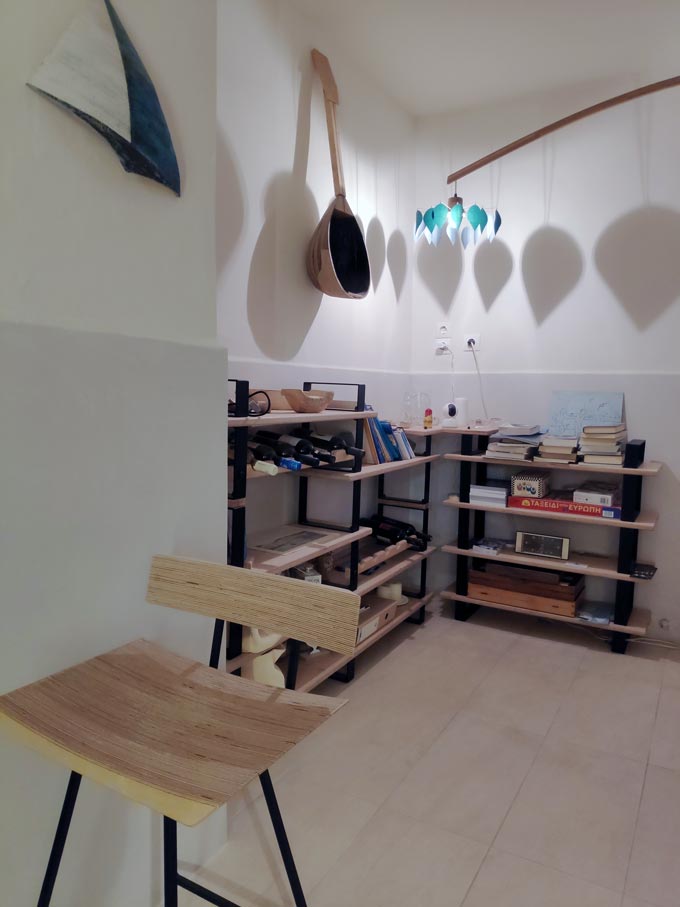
[[565, 121]]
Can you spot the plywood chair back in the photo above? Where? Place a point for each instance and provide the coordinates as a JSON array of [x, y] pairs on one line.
[[319, 615]]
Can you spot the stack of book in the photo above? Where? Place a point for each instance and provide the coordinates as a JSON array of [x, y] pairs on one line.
[[514, 442], [603, 444], [557, 449], [495, 494]]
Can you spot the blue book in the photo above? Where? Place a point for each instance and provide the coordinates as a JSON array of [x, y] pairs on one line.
[[377, 441], [390, 440]]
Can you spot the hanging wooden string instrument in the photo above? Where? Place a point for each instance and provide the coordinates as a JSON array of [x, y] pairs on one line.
[[559, 124], [337, 260]]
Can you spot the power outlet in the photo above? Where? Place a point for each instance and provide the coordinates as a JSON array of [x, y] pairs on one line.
[[441, 347], [472, 342], [443, 330]]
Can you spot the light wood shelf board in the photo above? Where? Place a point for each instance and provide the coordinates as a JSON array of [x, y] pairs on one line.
[[369, 472], [638, 625], [404, 505], [252, 474], [586, 564], [313, 671], [273, 562], [288, 417], [388, 571], [439, 430], [647, 520], [648, 468]]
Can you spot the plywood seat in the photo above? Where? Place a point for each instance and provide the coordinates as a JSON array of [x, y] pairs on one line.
[[162, 729]]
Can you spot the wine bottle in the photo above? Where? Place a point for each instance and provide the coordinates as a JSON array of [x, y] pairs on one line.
[[267, 468], [303, 450], [304, 446], [342, 441], [266, 454]]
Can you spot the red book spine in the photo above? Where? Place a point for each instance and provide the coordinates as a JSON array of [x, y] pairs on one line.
[[552, 505]]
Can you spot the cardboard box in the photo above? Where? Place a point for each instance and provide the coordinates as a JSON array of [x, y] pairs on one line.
[[530, 484], [380, 611]]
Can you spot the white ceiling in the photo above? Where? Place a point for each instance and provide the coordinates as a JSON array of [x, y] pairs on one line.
[[433, 56]]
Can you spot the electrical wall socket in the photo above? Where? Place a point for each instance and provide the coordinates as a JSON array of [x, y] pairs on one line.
[[472, 341], [443, 330], [441, 347]]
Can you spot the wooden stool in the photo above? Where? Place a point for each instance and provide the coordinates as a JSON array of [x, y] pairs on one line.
[[175, 735]]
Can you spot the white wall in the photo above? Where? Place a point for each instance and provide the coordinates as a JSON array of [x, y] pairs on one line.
[[113, 451], [274, 182], [83, 244], [112, 436]]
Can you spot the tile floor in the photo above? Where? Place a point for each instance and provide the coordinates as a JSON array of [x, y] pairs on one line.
[[504, 762]]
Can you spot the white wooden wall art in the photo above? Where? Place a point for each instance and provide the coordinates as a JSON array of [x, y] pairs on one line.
[[95, 73]]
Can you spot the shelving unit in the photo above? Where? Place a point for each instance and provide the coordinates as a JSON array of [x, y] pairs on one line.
[[602, 565], [262, 558], [299, 671], [628, 621], [314, 669], [648, 468], [644, 521], [637, 623], [288, 417]]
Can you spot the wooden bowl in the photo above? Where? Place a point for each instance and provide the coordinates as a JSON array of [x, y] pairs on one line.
[[277, 399], [307, 401]]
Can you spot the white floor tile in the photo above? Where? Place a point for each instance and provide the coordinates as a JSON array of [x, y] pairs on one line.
[[508, 881], [397, 862], [576, 812], [654, 872], [468, 779]]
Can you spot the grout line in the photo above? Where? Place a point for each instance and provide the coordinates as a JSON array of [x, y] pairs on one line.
[[521, 788], [642, 788]]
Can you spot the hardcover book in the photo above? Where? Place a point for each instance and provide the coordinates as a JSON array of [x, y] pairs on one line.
[[555, 504]]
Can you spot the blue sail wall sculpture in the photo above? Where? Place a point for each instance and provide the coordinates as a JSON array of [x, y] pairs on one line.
[[96, 73]]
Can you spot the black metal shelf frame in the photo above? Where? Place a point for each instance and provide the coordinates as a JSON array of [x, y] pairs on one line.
[[237, 535], [631, 500]]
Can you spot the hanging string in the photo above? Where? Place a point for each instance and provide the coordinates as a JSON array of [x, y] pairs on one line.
[[356, 164], [548, 154], [643, 117]]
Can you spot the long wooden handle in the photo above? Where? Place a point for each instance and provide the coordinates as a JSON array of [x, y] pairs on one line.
[[332, 99], [559, 124]]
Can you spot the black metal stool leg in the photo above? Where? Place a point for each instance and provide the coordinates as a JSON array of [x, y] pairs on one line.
[[60, 840], [282, 839], [170, 872]]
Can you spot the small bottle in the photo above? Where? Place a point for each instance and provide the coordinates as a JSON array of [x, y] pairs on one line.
[[427, 420]]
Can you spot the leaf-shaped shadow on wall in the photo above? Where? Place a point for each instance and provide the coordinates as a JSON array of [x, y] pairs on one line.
[[552, 265], [638, 256], [375, 246], [493, 268], [397, 261], [230, 203], [282, 303], [441, 268]]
